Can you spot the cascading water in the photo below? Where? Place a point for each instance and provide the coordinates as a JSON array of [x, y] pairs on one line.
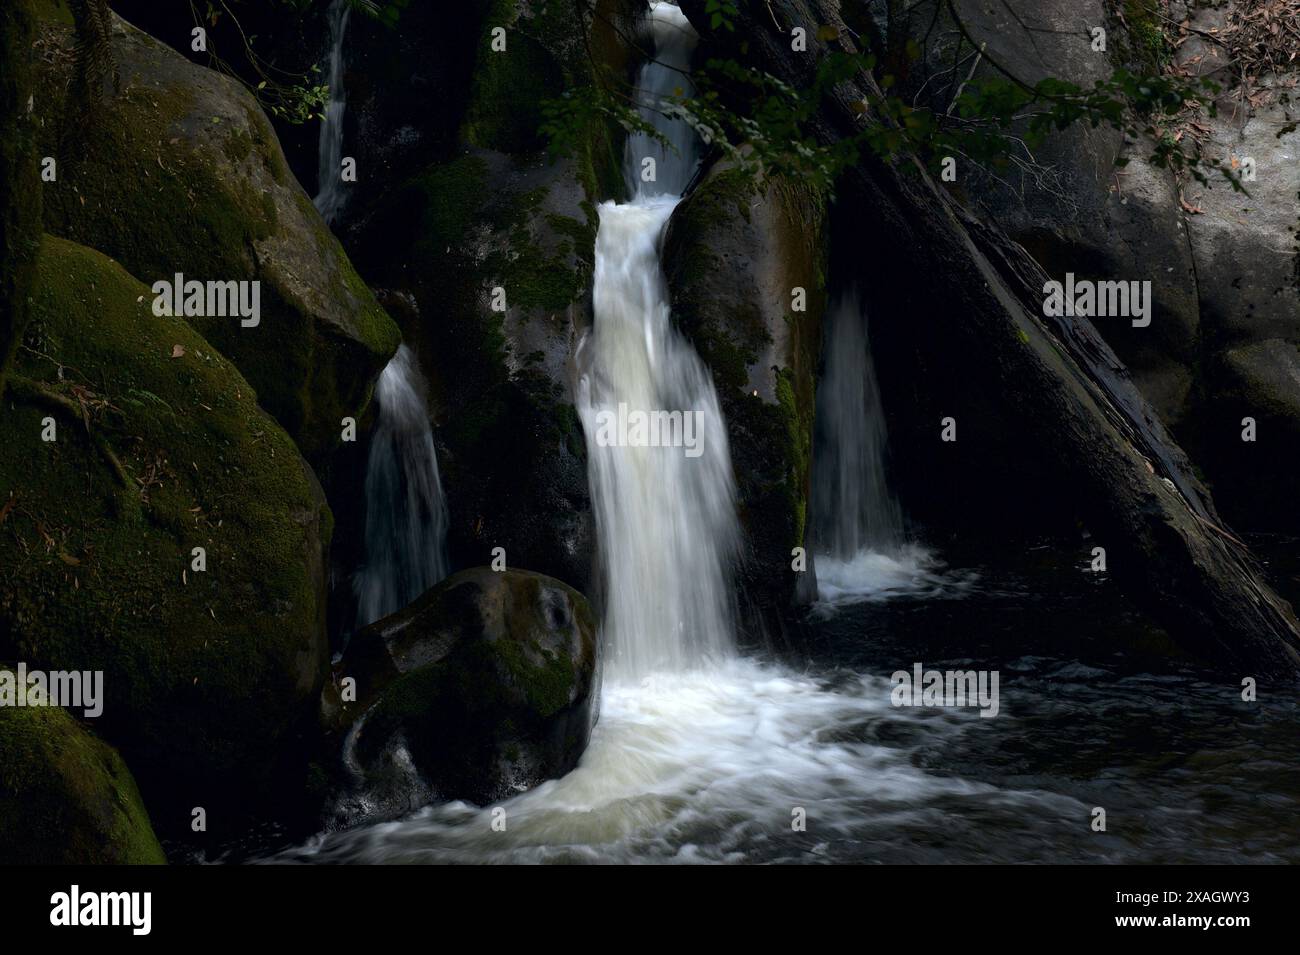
[[854, 507], [863, 552], [330, 199], [666, 520], [405, 514], [703, 755], [699, 753]]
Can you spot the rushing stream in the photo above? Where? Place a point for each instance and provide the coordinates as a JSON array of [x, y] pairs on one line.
[[702, 753]]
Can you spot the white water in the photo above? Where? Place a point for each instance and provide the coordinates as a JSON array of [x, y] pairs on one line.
[[863, 552], [707, 765], [666, 522], [405, 514], [699, 754], [330, 199]]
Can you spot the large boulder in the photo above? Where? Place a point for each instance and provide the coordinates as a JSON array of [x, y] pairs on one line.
[[734, 254], [1221, 262], [66, 798], [1245, 250], [1069, 203], [499, 212], [158, 448], [486, 684], [179, 171]]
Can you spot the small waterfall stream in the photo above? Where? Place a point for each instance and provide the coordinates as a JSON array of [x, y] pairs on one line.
[[666, 521], [855, 508], [864, 553], [404, 551], [331, 197]]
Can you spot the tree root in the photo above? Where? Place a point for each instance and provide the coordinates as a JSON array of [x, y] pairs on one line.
[[21, 387]]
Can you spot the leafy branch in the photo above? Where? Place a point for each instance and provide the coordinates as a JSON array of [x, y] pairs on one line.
[[763, 124]]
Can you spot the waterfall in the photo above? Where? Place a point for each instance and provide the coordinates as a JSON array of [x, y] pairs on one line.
[[695, 743], [405, 514], [331, 197], [864, 553], [854, 509], [665, 515], [665, 78]]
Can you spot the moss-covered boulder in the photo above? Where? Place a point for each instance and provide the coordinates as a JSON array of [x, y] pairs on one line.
[[734, 255], [486, 684], [66, 798], [500, 213], [158, 448], [179, 171]]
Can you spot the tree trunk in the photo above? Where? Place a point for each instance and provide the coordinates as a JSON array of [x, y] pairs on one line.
[[1165, 544]]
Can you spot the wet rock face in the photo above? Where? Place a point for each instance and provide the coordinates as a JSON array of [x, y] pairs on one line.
[[66, 798], [734, 258], [211, 664], [485, 685], [498, 213], [180, 172]]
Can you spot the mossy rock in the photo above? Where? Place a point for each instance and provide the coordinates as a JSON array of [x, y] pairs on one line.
[[179, 171], [504, 214], [734, 252], [486, 681], [66, 798], [160, 447]]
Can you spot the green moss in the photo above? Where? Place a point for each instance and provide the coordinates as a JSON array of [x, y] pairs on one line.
[[1149, 45], [66, 797], [450, 197], [796, 417], [180, 172], [95, 574], [52, 11]]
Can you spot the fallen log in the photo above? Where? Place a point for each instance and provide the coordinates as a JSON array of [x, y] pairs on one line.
[[1168, 549]]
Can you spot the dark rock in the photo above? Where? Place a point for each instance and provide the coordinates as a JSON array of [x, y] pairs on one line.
[[65, 797], [160, 448], [180, 171], [733, 254], [487, 682], [502, 213]]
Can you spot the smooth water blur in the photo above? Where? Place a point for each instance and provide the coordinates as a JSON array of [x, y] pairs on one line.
[[665, 519], [870, 577], [331, 197], [710, 765], [864, 554], [854, 509], [701, 755], [660, 84], [404, 550]]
